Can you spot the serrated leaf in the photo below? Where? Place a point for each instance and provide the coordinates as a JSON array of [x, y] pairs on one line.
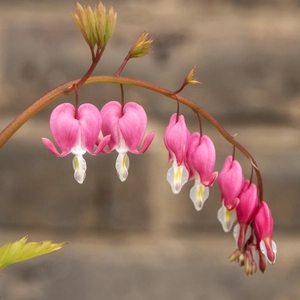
[[18, 251]]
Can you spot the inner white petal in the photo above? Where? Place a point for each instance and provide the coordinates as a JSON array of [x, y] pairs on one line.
[[198, 194], [80, 167], [177, 176], [122, 166], [226, 217]]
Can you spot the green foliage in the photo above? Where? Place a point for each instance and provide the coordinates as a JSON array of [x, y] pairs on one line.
[[18, 251]]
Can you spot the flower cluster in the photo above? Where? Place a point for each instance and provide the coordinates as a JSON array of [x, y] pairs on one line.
[[122, 128], [77, 131], [254, 229], [193, 157]]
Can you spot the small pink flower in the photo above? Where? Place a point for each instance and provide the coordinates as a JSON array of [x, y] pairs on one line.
[[201, 161], [246, 210], [263, 228], [76, 134], [127, 127], [231, 182], [176, 139]]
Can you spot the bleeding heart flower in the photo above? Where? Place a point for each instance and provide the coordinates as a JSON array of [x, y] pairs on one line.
[[201, 160], [263, 228], [246, 210], [231, 182], [127, 126], [76, 133], [176, 140]]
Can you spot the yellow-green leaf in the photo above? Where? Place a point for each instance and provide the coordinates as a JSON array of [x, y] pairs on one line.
[[18, 251]]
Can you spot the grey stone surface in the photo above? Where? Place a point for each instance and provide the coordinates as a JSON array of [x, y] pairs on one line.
[[138, 267], [136, 240]]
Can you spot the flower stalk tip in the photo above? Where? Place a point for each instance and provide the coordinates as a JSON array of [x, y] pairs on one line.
[[96, 26], [190, 77], [141, 47]]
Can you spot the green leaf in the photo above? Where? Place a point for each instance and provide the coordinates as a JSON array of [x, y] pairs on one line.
[[18, 251]]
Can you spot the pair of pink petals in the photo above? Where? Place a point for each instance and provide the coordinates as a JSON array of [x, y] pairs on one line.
[[76, 133]]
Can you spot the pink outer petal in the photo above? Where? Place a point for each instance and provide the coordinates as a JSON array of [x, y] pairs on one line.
[[133, 125], [64, 127], [263, 228], [90, 122], [101, 145], [194, 142], [111, 113], [176, 139], [148, 140], [248, 205], [203, 160], [231, 182], [263, 222], [52, 148]]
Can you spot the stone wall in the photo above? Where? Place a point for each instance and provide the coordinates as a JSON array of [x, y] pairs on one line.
[[248, 61]]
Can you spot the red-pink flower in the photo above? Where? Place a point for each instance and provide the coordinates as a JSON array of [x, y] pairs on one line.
[[176, 139], [127, 127], [231, 182], [201, 161], [263, 228], [246, 210], [76, 133]]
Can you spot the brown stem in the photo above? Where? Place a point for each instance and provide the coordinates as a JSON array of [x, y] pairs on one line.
[[200, 123], [96, 57], [66, 88], [125, 61], [122, 99]]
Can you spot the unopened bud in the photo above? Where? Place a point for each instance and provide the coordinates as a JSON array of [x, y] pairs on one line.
[[97, 25], [142, 46], [248, 262], [235, 255], [190, 77]]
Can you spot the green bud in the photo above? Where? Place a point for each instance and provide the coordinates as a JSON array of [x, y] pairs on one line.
[[96, 26], [190, 77], [141, 47]]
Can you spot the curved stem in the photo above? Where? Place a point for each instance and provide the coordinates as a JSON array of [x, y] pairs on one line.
[[95, 57], [66, 89]]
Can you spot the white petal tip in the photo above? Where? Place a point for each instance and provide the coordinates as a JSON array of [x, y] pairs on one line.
[[80, 167], [177, 176], [199, 194], [122, 166]]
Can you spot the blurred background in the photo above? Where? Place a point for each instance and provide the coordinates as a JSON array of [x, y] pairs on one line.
[[136, 240]]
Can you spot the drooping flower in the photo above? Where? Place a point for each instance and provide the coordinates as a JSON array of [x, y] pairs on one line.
[[201, 161], [127, 127], [263, 228], [176, 139], [231, 182], [246, 210], [76, 133]]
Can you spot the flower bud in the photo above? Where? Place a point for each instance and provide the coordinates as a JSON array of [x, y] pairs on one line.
[[246, 210], [96, 26], [141, 47], [263, 227]]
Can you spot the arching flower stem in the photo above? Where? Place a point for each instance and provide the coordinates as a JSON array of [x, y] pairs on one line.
[[68, 88], [199, 122]]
